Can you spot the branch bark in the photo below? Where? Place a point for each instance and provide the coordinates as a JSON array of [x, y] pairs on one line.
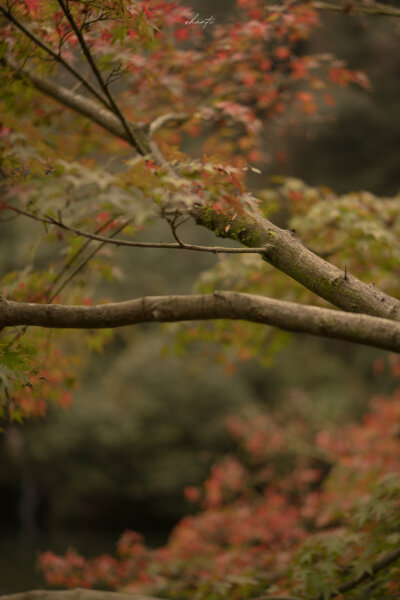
[[285, 252], [57, 56], [134, 140], [75, 594], [85, 106], [289, 316], [130, 243]]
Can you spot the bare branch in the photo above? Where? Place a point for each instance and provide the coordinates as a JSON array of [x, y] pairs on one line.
[[120, 242], [286, 253], [115, 74], [289, 316], [83, 263]]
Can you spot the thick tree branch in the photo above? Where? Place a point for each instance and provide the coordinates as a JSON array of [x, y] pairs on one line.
[[285, 252], [289, 316], [76, 594]]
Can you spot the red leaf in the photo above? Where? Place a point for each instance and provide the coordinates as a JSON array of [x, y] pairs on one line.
[[181, 34], [282, 52], [33, 6]]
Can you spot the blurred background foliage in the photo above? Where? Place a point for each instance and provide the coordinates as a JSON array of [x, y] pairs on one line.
[[148, 420]]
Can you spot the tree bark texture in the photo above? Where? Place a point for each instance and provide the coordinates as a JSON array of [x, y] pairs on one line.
[[359, 328]]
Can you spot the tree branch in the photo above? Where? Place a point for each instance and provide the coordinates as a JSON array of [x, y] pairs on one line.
[[55, 55], [120, 242], [286, 253], [365, 8], [162, 120], [289, 316], [133, 139], [85, 106], [75, 594], [53, 292], [379, 565]]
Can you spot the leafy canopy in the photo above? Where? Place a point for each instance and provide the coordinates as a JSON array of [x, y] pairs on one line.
[[154, 79]]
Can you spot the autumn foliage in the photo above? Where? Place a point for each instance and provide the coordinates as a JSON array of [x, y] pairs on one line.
[[225, 83], [293, 509]]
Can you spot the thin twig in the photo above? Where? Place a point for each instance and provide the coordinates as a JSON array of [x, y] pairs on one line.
[[120, 242], [78, 253], [83, 264], [134, 140], [172, 222], [55, 55]]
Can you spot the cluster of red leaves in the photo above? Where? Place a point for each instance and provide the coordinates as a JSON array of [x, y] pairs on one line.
[[35, 377], [48, 385], [244, 71], [285, 482], [73, 570]]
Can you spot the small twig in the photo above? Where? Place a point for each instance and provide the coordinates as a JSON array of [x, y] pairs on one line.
[[83, 264], [78, 253], [116, 73], [172, 222]]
